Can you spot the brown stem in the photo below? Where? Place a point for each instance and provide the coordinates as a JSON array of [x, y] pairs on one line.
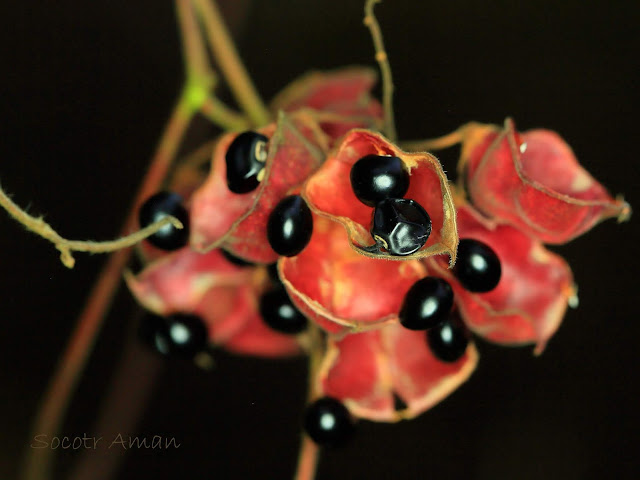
[[218, 113], [307, 459], [432, 144], [194, 53], [128, 394], [200, 78], [53, 407], [309, 452], [383, 62], [230, 64]]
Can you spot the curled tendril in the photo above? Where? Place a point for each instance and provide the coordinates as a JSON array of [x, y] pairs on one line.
[[41, 228]]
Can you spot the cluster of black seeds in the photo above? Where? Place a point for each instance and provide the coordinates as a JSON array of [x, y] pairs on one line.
[[180, 334], [399, 226], [290, 224], [428, 303]]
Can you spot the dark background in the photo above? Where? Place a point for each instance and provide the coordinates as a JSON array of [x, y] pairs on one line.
[[85, 90]]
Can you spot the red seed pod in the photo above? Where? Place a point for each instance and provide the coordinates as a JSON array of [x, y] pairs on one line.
[[529, 302], [342, 290], [237, 222], [329, 193], [224, 295], [533, 181], [365, 370], [339, 100]]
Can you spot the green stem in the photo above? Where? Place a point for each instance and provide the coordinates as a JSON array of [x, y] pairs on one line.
[[230, 64]]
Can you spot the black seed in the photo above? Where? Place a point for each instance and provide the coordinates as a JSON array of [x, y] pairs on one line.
[[400, 226], [328, 422], [154, 333], [477, 266], [398, 403], [235, 260], [245, 159], [279, 313], [187, 334], [290, 226], [156, 208], [376, 177], [179, 334], [448, 340], [426, 304]]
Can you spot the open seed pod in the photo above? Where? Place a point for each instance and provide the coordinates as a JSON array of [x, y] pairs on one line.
[[329, 193], [237, 222], [341, 290], [533, 181], [529, 302], [369, 371], [223, 295]]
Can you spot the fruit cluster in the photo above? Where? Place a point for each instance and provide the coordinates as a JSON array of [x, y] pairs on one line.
[[317, 234]]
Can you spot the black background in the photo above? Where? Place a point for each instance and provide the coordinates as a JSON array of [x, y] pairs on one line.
[[85, 90]]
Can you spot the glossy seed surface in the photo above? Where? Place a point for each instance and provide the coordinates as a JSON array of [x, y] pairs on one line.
[[449, 339], [245, 158], [426, 304], [187, 334], [376, 177], [290, 226], [400, 226], [477, 266], [156, 208], [279, 313], [328, 422]]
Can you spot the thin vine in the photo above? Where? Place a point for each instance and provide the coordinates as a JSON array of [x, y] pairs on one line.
[[385, 68], [41, 228]]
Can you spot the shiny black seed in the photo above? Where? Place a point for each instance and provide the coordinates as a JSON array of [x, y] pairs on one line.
[[235, 260], [187, 334], [178, 334], [449, 339], [376, 177], [477, 266], [290, 226], [279, 313], [156, 208], [328, 422], [426, 304], [400, 226], [154, 334], [245, 159]]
